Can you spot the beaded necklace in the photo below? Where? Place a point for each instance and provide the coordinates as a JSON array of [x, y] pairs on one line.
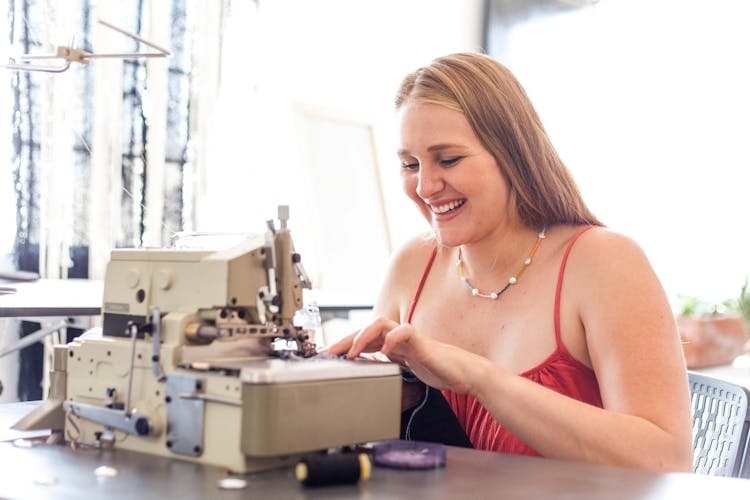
[[513, 279]]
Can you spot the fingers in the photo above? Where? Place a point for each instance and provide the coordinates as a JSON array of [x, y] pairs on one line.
[[370, 338], [382, 334], [340, 347]]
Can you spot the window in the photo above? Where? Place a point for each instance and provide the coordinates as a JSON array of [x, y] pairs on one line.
[[98, 153], [647, 103]]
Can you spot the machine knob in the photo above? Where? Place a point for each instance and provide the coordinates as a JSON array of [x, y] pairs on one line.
[[142, 426], [164, 280], [133, 277]]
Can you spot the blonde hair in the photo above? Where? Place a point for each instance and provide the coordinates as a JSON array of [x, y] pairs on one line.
[[504, 120]]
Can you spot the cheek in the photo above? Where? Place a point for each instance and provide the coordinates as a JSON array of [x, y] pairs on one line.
[[409, 185]]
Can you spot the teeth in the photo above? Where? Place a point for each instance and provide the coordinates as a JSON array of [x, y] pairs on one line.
[[441, 209]]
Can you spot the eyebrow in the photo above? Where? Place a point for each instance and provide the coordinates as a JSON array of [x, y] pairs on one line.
[[434, 147]]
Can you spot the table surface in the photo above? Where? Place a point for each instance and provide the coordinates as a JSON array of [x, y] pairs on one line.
[[56, 471], [738, 371], [51, 297], [80, 297]]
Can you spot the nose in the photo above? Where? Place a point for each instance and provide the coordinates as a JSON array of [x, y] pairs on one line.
[[430, 182]]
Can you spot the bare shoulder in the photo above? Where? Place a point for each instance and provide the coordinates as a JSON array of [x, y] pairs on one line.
[[414, 251], [613, 285], [601, 253], [404, 270], [408, 262]]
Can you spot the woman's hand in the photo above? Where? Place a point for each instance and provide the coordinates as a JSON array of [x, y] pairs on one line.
[[367, 340], [437, 364]]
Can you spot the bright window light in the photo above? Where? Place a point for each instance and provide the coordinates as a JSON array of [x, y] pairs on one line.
[[648, 104]]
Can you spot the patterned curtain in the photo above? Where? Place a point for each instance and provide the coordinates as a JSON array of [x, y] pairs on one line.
[[26, 140], [57, 123]]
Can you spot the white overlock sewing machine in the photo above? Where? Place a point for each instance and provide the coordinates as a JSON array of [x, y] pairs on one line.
[[198, 358]]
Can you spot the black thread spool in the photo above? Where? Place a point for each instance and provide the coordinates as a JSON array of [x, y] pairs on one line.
[[334, 468]]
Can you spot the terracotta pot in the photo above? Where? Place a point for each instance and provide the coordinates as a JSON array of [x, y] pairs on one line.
[[712, 340]]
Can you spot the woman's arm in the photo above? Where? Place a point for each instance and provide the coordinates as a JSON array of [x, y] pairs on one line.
[[633, 346]]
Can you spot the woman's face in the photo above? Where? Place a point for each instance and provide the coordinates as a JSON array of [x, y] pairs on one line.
[[447, 173]]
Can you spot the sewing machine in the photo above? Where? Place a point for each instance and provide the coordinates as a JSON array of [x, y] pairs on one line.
[[199, 358]]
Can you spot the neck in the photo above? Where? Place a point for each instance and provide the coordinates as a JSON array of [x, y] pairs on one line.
[[493, 260]]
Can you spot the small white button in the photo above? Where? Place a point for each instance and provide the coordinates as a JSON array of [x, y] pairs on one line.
[[133, 278], [164, 279]]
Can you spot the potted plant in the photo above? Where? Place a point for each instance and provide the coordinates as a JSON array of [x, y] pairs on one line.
[[743, 305], [714, 334]]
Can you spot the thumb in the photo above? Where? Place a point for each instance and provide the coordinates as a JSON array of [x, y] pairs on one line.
[[397, 338]]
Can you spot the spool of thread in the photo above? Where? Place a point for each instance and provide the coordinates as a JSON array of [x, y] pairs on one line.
[[333, 468]]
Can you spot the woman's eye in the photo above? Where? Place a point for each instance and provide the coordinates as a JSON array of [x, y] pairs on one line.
[[449, 162], [409, 166]]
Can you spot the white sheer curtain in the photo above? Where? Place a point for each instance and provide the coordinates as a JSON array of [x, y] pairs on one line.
[[101, 155], [7, 205], [60, 135], [648, 104]]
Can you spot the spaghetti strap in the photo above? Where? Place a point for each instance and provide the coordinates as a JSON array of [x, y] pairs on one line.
[[421, 284], [558, 337]]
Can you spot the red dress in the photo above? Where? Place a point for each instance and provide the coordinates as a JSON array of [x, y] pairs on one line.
[[559, 372]]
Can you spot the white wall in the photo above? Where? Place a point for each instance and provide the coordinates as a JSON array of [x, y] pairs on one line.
[[339, 54], [645, 100], [648, 102]]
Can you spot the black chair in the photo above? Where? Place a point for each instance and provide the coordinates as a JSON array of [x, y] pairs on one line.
[[720, 426]]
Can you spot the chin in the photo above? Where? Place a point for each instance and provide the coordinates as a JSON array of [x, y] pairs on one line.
[[446, 239]]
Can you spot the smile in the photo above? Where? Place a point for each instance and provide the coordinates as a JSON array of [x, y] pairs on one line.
[[442, 209]]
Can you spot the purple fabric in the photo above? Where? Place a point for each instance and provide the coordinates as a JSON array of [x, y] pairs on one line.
[[408, 455]]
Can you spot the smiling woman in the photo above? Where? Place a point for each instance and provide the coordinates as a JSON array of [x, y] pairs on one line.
[[580, 360], [430, 166]]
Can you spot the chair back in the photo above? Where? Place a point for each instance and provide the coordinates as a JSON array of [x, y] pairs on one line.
[[720, 426]]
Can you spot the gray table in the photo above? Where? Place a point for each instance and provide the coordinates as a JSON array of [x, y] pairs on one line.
[[49, 297], [65, 303], [80, 297], [46, 471], [54, 303]]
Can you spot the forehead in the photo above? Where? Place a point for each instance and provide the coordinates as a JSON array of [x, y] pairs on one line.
[[425, 124]]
